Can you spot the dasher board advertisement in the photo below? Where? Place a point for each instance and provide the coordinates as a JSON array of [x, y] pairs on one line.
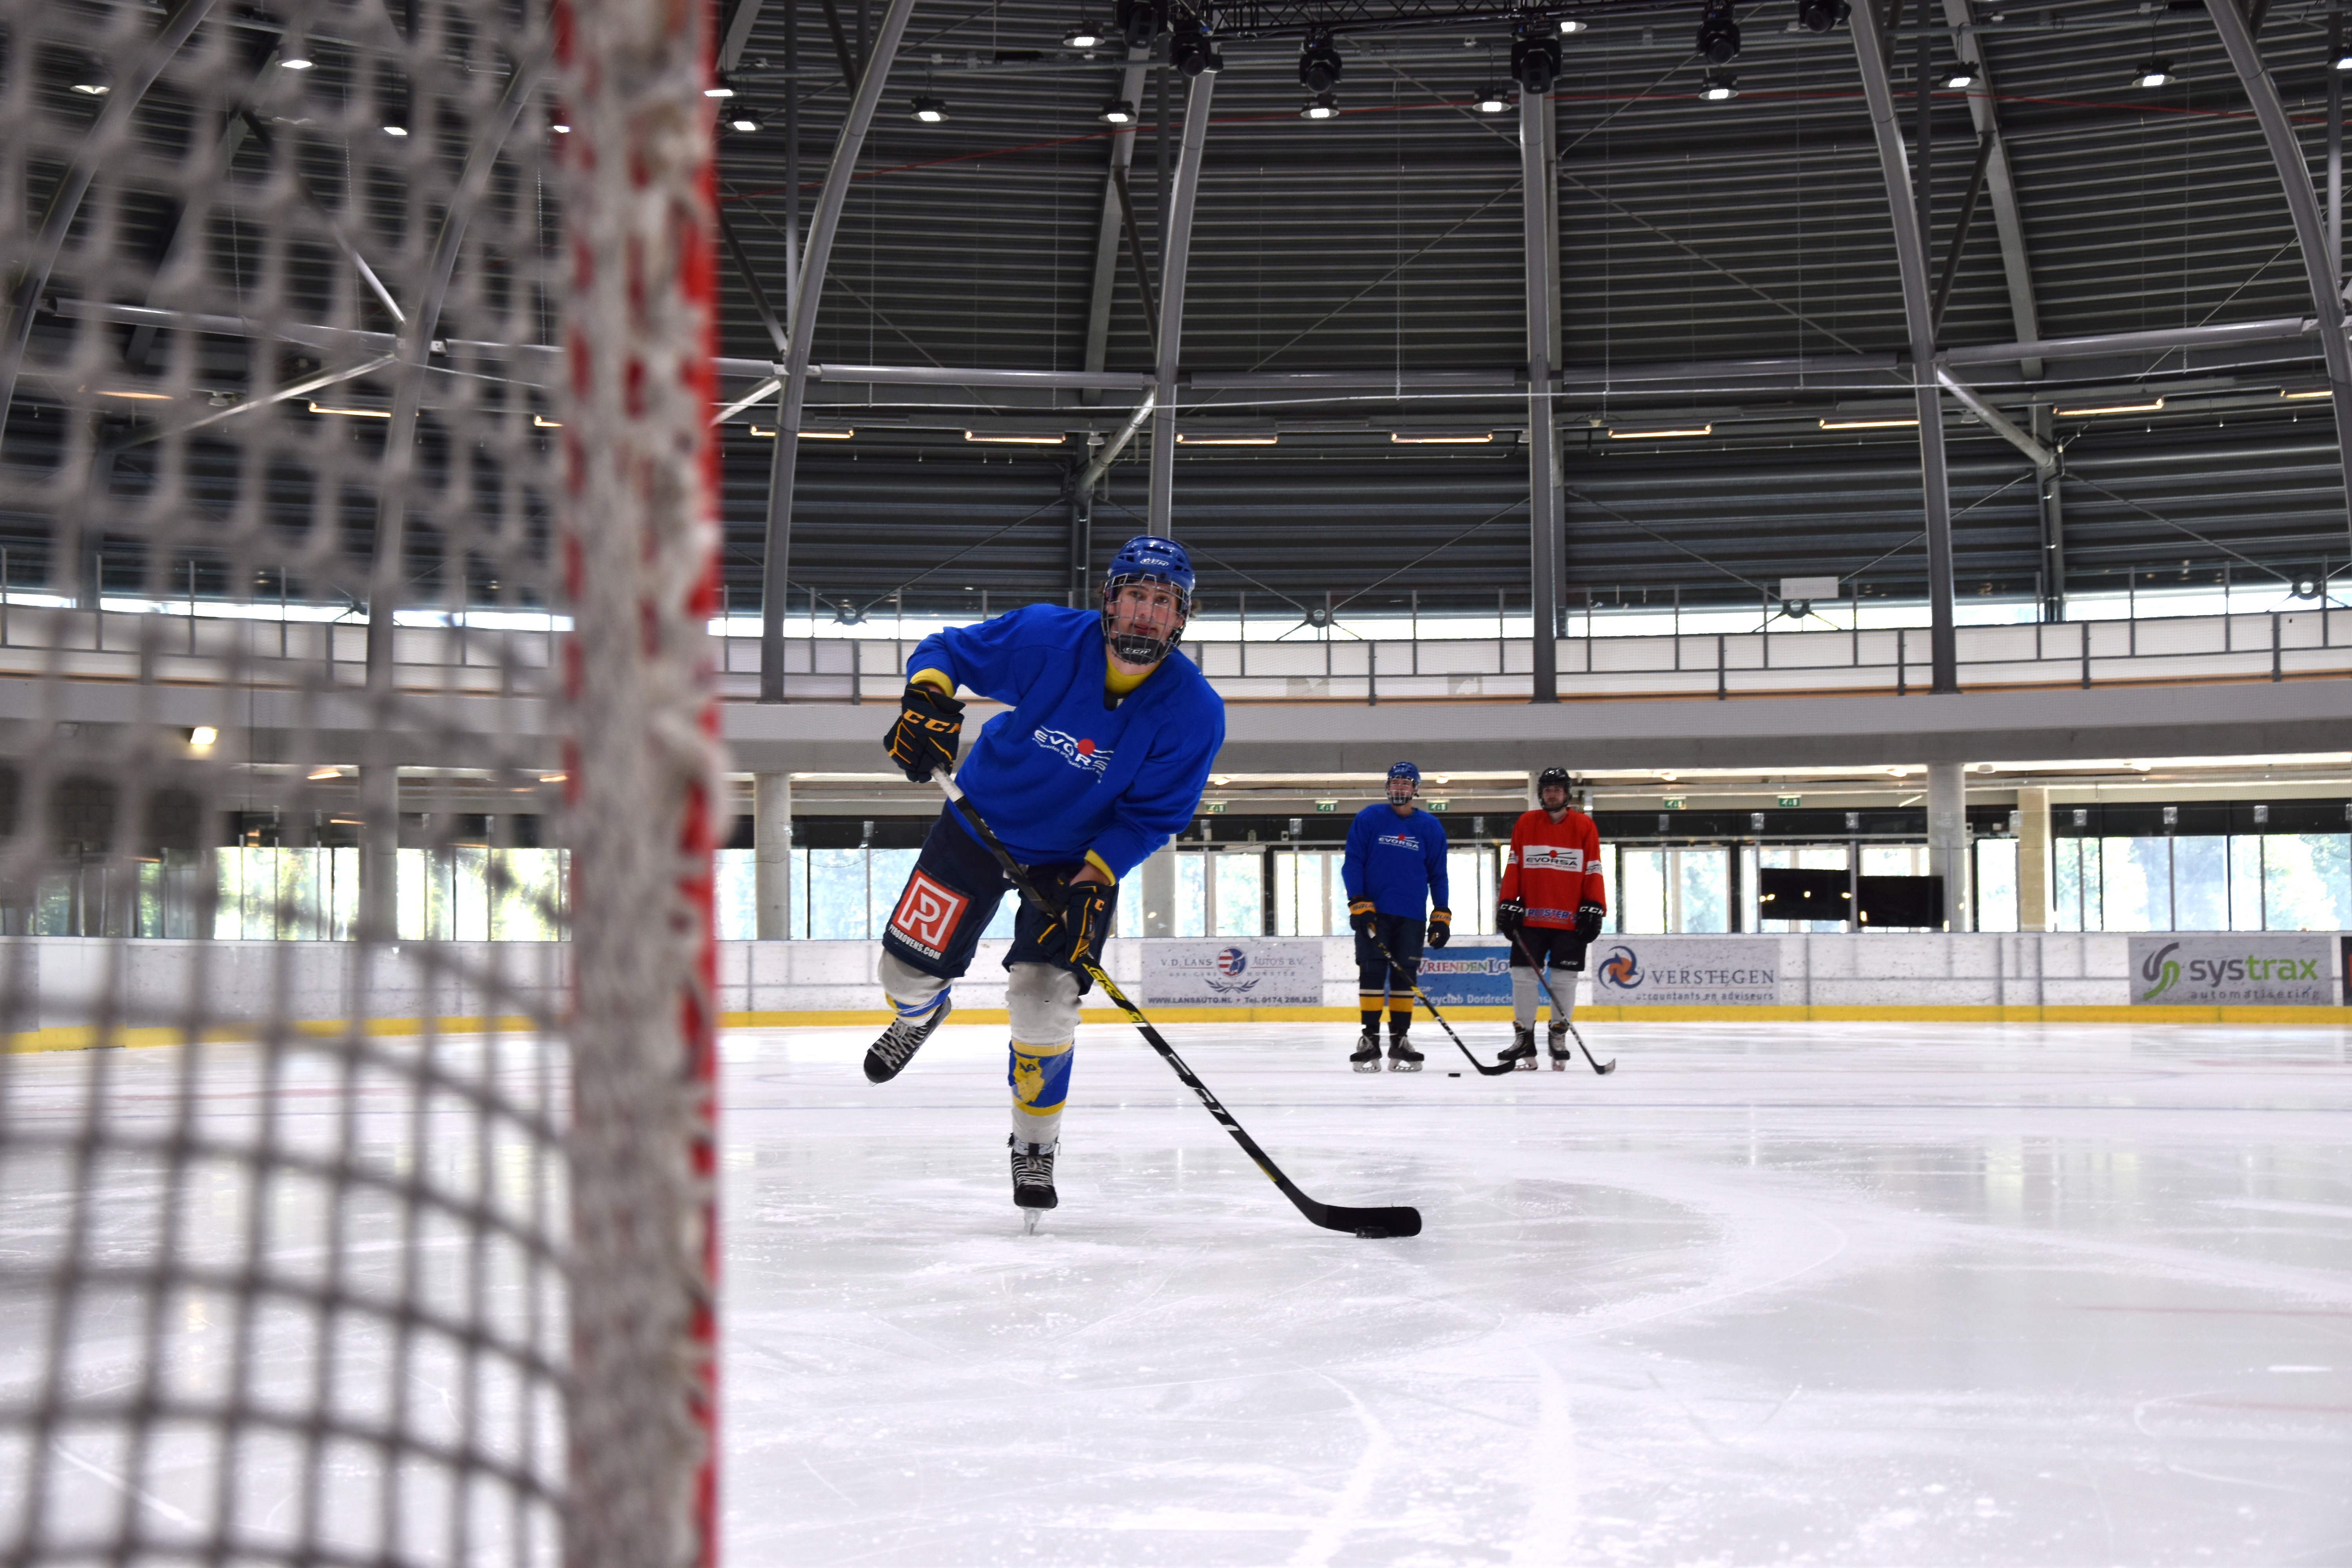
[[1634, 971], [1472, 976], [2233, 968], [1233, 972]]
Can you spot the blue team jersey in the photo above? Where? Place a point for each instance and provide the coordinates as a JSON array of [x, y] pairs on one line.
[[1398, 862], [1062, 773]]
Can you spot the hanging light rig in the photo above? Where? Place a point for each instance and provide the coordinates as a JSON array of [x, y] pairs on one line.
[[1320, 69]]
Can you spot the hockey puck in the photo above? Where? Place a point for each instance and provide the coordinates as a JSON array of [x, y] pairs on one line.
[[1453, 1075]]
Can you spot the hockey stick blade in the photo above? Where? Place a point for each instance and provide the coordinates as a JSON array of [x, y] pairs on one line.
[[1483, 1070], [1378, 1224], [1557, 1012]]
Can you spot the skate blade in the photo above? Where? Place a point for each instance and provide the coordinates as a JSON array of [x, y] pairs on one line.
[[1559, 1064], [1029, 1218], [1525, 1064], [1405, 1067], [1368, 1067]]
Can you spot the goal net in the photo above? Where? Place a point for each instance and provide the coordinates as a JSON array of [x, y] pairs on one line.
[[357, 775]]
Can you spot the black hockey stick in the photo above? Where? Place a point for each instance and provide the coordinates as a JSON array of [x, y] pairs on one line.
[[1557, 1010], [1379, 1223], [1483, 1070]]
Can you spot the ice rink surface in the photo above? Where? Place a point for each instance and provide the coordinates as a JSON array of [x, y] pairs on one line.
[[1771, 1293]]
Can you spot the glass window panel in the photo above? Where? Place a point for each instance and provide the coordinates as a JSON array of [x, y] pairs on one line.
[[1466, 898], [801, 893], [886, 874], [1241, 892], [836, 895], [470, 867], [2135, 884], [1894, 860], [2200, 884], [1334, 894], [2066, 884], [2246, 882], [1705, 877], [1285, 866], [1996, 884], [1643, 906], [2304, 881], [734, 894], [1191, 903]]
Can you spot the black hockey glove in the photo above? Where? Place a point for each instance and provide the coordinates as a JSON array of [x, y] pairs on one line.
[[1509, 916], [1359, 915], [930, 728], [1441, 927], [1075, 937], [1589, 917]]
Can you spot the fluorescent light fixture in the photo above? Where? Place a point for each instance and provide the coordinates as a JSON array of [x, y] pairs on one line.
[[1052, 441], [1084, 36], [203, 735], [545, 422], [2315, 392], [744, 121], [1574, 24], [1721, 87], [316, 774], [553, 778], [2343, 60], [1885, 422], [561, 130], [2112, 408], [1442, 437], [2156, 73], [1961, 78], [1492, 101], [296, 63], [721, 90], [930, 110], [318, 407], [1322, 106], [395, 130], [842, 434], [137, 396], [1616, 434], [1118, 111], [92, 89], [1236, 438]]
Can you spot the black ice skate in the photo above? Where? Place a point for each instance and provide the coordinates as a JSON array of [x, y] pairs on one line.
[[1403, 1057], [1522, 1054], [889, 1055], [1561, 1055], [1367, 1056], [1032, 1181]]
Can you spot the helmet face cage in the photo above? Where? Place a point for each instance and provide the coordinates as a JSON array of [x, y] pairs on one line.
[[1133, 648], [1404, 782], [1547, 778]]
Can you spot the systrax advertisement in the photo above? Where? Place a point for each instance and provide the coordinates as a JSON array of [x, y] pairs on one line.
[[2233, 968]]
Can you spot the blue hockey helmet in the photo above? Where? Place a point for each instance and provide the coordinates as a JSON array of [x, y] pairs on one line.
[[1147, 558], [1404, 782]]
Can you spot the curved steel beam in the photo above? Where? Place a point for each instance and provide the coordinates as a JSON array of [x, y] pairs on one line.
[[776, 568], [1175, 253], [1911, 261], [2303, 205]]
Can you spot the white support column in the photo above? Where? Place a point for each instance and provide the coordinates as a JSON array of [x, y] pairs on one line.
[[1947, 838], [772, 854], [379, 852], [2033, 859]]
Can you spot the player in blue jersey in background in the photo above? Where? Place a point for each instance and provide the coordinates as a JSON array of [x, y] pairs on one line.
[[1100, 762], [1395, 872]]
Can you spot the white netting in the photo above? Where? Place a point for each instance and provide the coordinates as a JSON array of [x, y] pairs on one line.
[[355, 781]]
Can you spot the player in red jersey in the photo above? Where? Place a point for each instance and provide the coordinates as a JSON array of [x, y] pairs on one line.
[[1550, 907]]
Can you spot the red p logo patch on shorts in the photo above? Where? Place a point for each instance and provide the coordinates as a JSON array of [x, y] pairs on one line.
[[926, 915]]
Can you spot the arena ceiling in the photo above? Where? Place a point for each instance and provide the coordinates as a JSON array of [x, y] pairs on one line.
[[1386, 242]]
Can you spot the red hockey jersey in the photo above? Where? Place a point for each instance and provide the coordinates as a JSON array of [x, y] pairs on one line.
[[1553, 867]]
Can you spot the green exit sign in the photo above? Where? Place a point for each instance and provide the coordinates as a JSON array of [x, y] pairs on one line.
[[1792, 800], [1673, 803], [1327, 806], [1216, 808], [1437, 805]]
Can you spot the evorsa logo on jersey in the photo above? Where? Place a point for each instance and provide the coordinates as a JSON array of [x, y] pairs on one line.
[[1075, 749], [1552, 858]]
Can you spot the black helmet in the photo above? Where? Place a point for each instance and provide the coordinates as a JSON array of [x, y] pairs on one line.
[[1549, 777]]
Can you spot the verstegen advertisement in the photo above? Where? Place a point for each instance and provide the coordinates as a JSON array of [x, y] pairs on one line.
[[2232, 968]]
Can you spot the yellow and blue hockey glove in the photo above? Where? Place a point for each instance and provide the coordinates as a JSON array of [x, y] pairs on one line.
[[1359, 915], [1441, 927], [929, 729]]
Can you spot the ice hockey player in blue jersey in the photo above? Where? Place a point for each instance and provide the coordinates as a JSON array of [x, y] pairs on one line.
[[1395, 874], [1100, 760]]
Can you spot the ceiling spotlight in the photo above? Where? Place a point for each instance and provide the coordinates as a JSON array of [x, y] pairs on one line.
[[560, 130], [1119, 111], [1319, 64], [1322, 106], [293, 50], [2156, 73], [1139, 22], [93, 85], [743, 119], [2344, 60], [203, 735], [395, 130], [1820, 15], [718, 89], [1572, 25], [1961, 78], [1718, 34], [296, 62], [930, 110], [1191, 52], [1084, 36], [1491, 99], [1721, 87], [1535, 60]]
